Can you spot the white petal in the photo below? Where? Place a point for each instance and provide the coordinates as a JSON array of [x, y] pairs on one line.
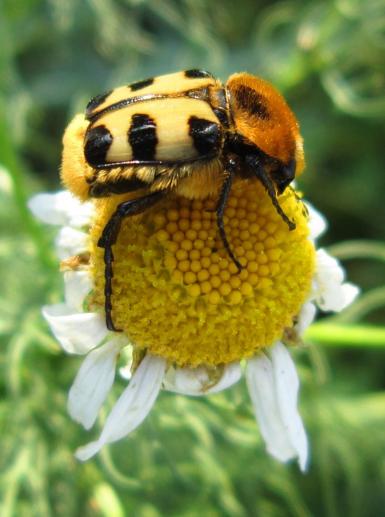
[[77, 333], [82, 216], [198, 381], [331, 298], [61, 208], [231, 375], [77, 285], [261, 385], [93, 383], [70, 242], [280, 429], [329, 291], [47, 208], [132, 407], [287, 386], [317, 222], [336, 297], [305, 317], [328, 267], [351, 292]]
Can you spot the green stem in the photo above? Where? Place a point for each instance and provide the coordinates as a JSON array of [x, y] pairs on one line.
[[332, 334], [358, 249]]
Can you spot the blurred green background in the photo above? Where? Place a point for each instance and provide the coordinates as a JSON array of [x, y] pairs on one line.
[[196, 456]]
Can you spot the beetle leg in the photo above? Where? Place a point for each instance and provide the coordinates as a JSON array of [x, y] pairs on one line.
[[266, 181], [230, 170], [109, 237]]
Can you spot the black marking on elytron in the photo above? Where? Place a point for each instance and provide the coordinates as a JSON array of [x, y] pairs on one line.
[[252, 102], [96, 101], [206, 135], [134, 87], [142, 137], [96, 145], [196, 73], [119, 186]]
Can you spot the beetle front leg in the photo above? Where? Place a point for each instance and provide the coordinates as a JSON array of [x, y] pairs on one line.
[[266, 181], [230, 170]]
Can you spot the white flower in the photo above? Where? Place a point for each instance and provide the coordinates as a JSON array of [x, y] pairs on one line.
[[305, 317], [77, 333], [61, 208], [93, 383], [132, 407], [317, 222], [70, 242], [273, 386], [65, 210], [271, 376], [196, 381], [329, 289]]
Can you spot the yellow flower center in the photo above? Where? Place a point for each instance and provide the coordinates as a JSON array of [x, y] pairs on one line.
[[177, 293]]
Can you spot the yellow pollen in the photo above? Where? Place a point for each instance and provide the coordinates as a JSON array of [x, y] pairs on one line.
[[178, 293]]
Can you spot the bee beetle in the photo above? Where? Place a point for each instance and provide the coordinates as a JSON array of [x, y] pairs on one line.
[[187, 133]]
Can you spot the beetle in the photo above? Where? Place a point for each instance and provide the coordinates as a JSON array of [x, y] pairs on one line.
[[184, 133]]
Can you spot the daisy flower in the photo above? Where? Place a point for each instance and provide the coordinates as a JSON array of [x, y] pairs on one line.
[[192, 323]]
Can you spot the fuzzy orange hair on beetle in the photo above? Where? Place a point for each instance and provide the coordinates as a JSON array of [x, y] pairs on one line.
[[186, 134]]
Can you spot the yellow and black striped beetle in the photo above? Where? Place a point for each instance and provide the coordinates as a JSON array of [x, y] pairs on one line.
[[186, 132]]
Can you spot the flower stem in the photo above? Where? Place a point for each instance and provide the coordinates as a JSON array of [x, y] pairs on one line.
[[358, 249], [332, 334]]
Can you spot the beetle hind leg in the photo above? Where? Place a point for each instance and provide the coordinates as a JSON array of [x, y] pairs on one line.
[[109, 237], [108, 275]]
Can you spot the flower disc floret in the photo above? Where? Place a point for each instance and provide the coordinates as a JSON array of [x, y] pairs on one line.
[[173, 279]]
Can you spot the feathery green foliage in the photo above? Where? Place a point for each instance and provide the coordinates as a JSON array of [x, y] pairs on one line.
[[195, 457]]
